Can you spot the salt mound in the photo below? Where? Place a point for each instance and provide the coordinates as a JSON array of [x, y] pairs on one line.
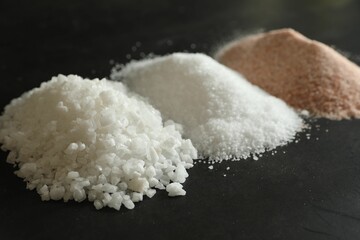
[[76, 138], [223, 114], [304, 73]]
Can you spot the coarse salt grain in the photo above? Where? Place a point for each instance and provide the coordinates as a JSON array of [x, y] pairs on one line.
[[75, 138], [224, 115], [175, 189]]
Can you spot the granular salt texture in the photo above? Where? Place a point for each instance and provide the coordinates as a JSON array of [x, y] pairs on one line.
[[306, 74], [75, 138], [225, 116]]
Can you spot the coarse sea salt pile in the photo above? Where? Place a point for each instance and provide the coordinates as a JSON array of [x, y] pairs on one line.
[[75, 138], [225, 116]]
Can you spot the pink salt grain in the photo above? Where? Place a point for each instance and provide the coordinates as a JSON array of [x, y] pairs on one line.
[[305, 73]]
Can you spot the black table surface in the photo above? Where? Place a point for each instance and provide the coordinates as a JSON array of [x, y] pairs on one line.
[[307, 190]]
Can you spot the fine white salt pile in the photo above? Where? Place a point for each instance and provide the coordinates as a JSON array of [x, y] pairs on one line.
[[75, 138], [225, 116]]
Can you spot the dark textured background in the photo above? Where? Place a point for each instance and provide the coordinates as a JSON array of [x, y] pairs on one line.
[[312, 191]]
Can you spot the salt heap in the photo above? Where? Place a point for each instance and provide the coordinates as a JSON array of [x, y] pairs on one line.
[[225, 116], [304, 73], [75, 138]]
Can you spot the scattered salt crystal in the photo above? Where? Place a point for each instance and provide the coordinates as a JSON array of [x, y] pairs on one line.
[[175, 189], [180, 174]]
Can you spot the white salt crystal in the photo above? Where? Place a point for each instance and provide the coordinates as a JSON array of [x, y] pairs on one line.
[[150, 172], [153, 182], [136, 197], [175, 189], [71, 149], [114, 180], [123, 186], [150, 193], [92, 196], [116, 201], [180, 174], [98, 204], [101, 177], [27, 169], [73, 174], [126, 197], [160, 186], [107, 198], [107, 187], [129, 204], [44, 193], [138, 184], [57, 192], [223, 114], [79, 194]]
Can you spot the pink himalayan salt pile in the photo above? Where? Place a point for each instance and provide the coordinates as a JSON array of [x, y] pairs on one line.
[[305, 73]]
